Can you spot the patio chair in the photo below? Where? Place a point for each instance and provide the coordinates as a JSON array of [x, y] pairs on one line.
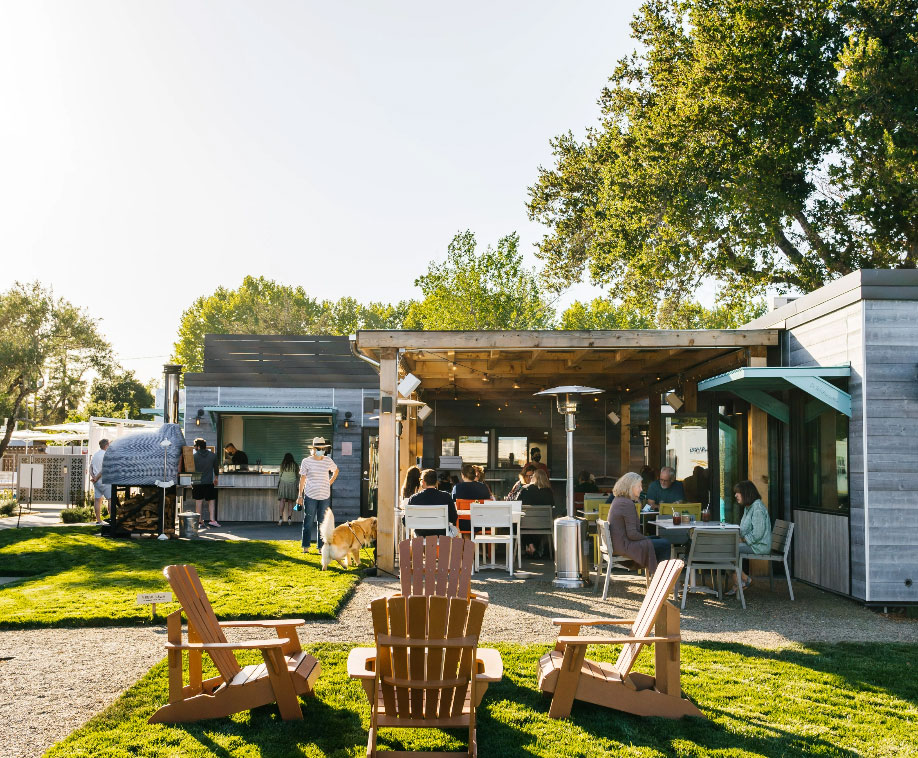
[[426, 670], [714, 550], [286, 673], [486, 519], [568, 675], [437, 566], [781, 535], [538, 520], [607, 555], [692, 509], [462, 504], [424, 517]]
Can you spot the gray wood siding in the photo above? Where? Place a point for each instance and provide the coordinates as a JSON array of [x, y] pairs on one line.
[[834, 339], [821, 550], [892, 449]]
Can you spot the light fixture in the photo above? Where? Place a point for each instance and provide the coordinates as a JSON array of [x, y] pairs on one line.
[[478, 402], [614, 417], [516, 385], [424, 411], [347, 419], [198, 416], [385, 404], [408, 385], [674, 401], [484, 377]]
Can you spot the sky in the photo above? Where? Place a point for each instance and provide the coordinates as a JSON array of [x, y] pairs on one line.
[[152, 151]]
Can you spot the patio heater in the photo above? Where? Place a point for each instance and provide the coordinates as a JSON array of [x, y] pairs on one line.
[[571, 570]]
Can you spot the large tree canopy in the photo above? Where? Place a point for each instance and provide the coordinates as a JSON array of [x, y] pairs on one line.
[[45, 344], [491, 289], [760, 142], [119, 394]]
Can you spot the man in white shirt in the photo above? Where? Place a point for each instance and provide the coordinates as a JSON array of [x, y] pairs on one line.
[[95, 474], [317, 474]]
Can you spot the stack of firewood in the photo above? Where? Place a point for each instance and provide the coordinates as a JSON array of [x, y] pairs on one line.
[[139, 509]]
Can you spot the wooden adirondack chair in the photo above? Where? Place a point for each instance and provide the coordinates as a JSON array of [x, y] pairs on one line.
[[426, 669], [286, 673], [568, 675], [437, 565]]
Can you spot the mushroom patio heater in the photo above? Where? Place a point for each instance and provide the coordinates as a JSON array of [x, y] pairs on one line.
[[570, 532]]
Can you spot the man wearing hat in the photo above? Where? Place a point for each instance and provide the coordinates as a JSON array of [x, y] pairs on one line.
[[317, 474]]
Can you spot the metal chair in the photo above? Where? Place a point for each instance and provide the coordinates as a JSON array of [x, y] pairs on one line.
[[538, 521], [607, 555], [714, 550], [488, 517], [424, 517], [781, 535]]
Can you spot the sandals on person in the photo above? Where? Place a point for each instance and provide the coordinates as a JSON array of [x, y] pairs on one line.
[[746, 584]]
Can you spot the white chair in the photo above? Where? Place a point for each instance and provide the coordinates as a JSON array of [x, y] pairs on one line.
[[607, 555], [423, 517], [538, 520], [518, 512], [780, 548], [486, 518], [715, 550]]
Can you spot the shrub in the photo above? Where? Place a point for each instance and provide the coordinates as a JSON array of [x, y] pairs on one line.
[[77, 515], [7, 507]]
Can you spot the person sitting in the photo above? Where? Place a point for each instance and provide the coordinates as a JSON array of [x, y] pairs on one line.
[[538, 492], [412, 482], [755, 526], [470, 488], [627, 539], [480, 477], [444, 482], [524, 478], [430, 495], [585, 482], [236, 456], [665, 489]]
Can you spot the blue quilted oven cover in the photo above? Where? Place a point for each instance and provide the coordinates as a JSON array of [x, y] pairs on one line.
[[138, 459]]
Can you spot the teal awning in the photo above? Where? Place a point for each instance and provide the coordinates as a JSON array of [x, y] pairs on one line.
[[268, 410], [752, 384]]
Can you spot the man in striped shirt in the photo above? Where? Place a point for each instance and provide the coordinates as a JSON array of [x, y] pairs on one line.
[[317, 474]]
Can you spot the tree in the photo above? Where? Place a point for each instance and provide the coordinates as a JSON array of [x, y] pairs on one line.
[[760, 142], [487, 290], [120, 394], [672, 313], [44, 342], [263, 306]]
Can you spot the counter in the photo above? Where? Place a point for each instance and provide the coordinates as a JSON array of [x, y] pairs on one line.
[[247, 496]]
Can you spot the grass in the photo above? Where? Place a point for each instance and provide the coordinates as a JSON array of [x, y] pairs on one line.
[[74, 578], [821, 700]]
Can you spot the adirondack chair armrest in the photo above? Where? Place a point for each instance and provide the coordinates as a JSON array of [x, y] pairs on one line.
[[591, 622], [623, 640], [491, 665], [361, 663], [266, 624], [241, 645]]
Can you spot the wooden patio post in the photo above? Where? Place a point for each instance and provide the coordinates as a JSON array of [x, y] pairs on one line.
[[757, 454], [388, 465], [625, 431], [690, 397], [654, 431]]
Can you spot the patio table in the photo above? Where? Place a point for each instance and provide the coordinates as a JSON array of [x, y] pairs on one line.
[[678, 534]]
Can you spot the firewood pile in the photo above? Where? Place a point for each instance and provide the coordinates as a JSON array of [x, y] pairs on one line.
[[137, 509]]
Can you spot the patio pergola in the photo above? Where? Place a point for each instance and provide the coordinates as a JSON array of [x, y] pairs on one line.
[[632, 364]]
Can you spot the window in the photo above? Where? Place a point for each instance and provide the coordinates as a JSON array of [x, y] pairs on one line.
[[825, 459], [448, 446], [473, 448], [687, 453], [511, 451]]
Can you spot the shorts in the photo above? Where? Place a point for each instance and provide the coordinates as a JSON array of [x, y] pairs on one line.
[[102, 490], [203, 492]]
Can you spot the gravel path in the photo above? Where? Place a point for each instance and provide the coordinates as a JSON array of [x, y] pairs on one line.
[[53, 680]]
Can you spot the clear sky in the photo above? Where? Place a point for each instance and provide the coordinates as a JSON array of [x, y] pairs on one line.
[[150, 151]]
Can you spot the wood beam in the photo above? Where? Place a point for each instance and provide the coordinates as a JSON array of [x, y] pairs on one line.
[[579, 357], [388, 465], [625, 437], [533, 357], [567, 340], [690, 397], [654, 432]]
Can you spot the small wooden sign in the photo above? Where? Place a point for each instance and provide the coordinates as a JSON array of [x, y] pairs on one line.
[[148, 598]]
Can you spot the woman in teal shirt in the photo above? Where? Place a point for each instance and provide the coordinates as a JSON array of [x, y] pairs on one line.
[[755, 526]]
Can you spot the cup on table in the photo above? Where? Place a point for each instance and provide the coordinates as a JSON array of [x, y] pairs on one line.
[[677, 518]]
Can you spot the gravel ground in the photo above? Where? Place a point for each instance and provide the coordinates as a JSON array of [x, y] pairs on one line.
[[53, 680]]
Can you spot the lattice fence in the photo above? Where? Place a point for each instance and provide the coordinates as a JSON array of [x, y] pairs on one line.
[[60, 486]]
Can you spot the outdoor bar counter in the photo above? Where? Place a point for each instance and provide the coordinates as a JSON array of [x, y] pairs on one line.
[[248, 496]]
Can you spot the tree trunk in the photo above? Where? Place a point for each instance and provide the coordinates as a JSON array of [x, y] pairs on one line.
[[11, 422]]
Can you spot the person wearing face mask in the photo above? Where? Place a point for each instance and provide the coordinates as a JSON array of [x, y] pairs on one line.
[[535, 456], [317, 474]]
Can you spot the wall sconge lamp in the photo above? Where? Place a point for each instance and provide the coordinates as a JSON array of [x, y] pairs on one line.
[[614, 417], [408, 385], [424, 411], [347, 419], [198, 416], [385, 404], [674, 401]]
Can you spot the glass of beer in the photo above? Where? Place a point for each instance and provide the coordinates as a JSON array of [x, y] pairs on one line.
[[677, 517]]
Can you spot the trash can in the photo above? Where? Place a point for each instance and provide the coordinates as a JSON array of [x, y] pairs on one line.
[[188, 524]]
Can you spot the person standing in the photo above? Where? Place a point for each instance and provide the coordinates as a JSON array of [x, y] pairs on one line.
[[535, 456], [205, 489], [317, 474], [287, 488], [95, 474], [236, 456]]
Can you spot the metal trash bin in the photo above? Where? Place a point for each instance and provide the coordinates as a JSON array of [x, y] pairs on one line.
[[571, 569], [188, 524]]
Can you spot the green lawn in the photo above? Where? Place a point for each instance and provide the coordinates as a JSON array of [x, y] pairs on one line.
[[825, 700], [73, 578]]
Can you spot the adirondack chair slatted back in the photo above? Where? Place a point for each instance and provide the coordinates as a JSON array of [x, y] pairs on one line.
[[664, 579], [201, 617], [714, 546], [436, 566], [425, 653], [781, 534]]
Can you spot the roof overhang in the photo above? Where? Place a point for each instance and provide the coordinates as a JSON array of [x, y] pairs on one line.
[[267, 410], [752, 384]]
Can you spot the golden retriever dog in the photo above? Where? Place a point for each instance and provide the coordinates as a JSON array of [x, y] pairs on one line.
[[343, 543]]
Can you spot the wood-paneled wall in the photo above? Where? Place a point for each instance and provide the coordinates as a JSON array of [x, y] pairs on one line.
[[821, 552]]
